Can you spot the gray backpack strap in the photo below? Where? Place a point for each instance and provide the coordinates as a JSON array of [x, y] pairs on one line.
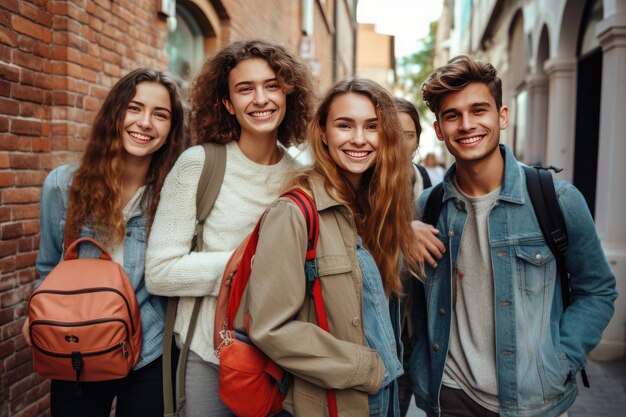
[[208, 188], [209, 185]]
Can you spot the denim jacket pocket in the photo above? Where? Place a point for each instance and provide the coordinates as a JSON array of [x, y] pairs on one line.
[[535, 270]]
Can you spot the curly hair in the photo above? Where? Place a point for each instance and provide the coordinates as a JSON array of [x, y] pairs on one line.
[[382, 205], [455, 75], [96, 192], [210, 121]]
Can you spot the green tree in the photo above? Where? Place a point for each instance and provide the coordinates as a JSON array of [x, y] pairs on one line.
[[415, 68]]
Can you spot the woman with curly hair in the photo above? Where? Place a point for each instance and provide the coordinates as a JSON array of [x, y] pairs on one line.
[[112, 196], [256, 99], [361, 186]]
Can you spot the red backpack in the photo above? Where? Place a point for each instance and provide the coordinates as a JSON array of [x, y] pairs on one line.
[[85, 323], [250, 383]]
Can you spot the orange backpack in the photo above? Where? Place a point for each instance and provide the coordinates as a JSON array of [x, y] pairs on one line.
[[85, 323]]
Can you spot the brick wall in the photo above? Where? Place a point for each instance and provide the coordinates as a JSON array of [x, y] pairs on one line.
[[57, 62]]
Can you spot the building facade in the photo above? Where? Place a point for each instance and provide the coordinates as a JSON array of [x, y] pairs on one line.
[[58, 60], [376, 56], [562, 65]]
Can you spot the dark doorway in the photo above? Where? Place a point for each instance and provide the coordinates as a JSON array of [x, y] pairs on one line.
[[588, 125]]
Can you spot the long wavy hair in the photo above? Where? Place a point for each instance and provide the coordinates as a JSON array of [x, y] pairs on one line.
[[382, 205], [210, 121], [96, 192]]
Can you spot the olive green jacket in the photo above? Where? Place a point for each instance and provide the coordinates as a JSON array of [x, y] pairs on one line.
[[282, 316]]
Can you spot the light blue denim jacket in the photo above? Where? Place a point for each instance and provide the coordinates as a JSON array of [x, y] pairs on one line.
[[381, 322], [539, 348], [54, 198]]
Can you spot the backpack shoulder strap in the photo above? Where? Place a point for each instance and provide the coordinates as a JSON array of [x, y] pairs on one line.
[[542, 194], [209, 186], [434, 204], [427, 183], [543, 197]]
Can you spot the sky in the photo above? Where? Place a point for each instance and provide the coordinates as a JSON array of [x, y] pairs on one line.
[[408, 20]]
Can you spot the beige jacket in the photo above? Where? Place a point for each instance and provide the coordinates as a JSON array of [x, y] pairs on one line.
[[283, 319]]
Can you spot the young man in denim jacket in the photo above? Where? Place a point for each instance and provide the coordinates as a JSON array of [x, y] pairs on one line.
[[492, 336]]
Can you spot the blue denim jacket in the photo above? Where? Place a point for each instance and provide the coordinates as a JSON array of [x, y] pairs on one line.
[[382, 333], [54, 198], [539, 348]]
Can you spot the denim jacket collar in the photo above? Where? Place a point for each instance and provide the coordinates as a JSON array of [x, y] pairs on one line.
[[512, 188]]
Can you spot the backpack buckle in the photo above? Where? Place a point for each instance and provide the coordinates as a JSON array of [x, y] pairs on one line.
[[310, 271], [560, 240]]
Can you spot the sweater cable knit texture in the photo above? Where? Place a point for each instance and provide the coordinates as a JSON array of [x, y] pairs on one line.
[[171, 269]]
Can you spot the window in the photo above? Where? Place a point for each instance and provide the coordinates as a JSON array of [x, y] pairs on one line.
[[185, 45]]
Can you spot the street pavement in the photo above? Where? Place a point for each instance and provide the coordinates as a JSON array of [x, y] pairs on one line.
[[605, 398]]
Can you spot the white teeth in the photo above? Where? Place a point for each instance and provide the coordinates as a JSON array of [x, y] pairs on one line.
[[356, 154], [140, 136], [261, 113], [467, 141]]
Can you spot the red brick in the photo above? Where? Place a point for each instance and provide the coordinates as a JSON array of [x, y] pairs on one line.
[[5, 214], [9, 107], [29, 28], [5, 88], [7, 347], [8, 37], [6, 264], [20, 195], [4, 124], [25, 244], [12, 5], [31, 227], [40, 144], [26, 127], [7, 179], [24, 92], [24, 260], [28, 60], [28, 10], [30, 178], [63, 98], [8, 247], [34, 110], [58, 8]]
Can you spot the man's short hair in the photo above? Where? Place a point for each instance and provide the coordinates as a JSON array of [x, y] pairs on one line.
[[455, 75]]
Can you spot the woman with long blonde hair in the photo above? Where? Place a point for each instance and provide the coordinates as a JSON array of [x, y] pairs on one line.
[[361, 187]]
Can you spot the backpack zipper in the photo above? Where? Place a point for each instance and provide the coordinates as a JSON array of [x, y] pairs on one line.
[[121, 344], [90, 290]]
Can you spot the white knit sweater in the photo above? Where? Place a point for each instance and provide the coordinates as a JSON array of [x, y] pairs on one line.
[[171, 270]]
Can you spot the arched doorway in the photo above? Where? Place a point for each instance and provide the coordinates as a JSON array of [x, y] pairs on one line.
[[187, 44], [588, 97]]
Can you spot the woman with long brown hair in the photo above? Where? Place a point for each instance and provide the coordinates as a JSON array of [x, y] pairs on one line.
[[361, 186], [112, 196]]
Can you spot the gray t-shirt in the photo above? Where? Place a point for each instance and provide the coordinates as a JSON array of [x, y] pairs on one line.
[[470, 364]]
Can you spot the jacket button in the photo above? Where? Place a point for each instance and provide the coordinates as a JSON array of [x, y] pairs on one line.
[[442, 312], [458, 206], [450, 233], [129, 234], [436, 347], [356, 322], [538, 257]]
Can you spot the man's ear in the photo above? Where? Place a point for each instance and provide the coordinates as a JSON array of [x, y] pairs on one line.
[[229, 106], [504, 117], [438, 130]]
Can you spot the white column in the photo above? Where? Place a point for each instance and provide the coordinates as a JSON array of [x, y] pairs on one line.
[[561, 115], [537, 88], [611, 184]]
